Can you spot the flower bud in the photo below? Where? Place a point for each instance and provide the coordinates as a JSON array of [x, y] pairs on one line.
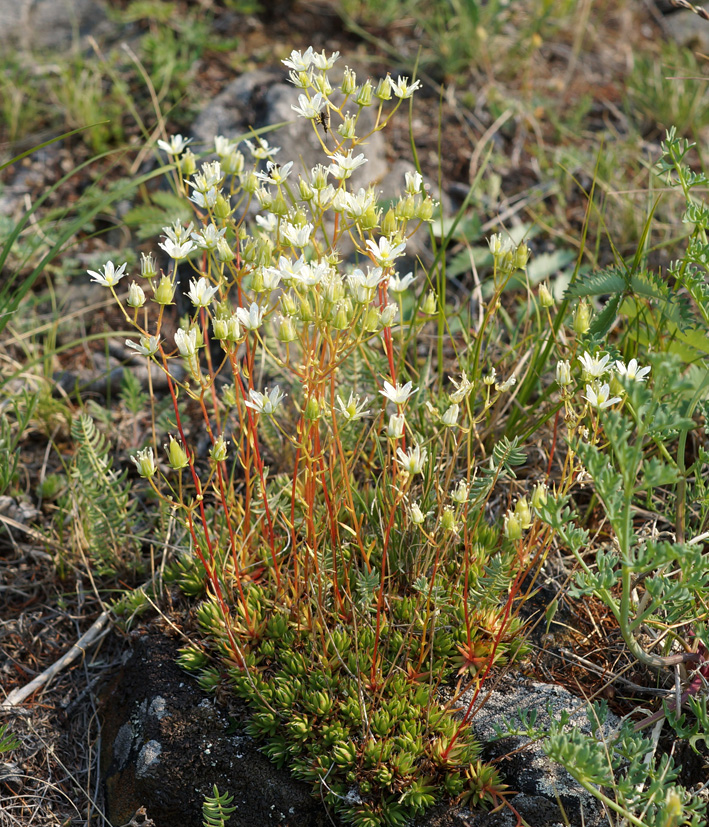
[[188, 163], [512, 528], [233, 163], [222, 208], [312, 409], [165, 291], [371, 321], [340, 320], [136, 296], [389, 224], [406, 208], [563, 373], [523, 514], [224, 251], [545, 297], [218, 451], [220, 329], [430, 305], [257, 283], [364, 95], [370, 218], [521, 256], [286, 331], [347, 129], [425, 209], [539, 496], [233, 333], [250, 183], [229, 396], [582, 318], [280, 206], [288, 305], [383, 90], [148, 269], [448, 519], [397, 423], [305, 311], [349, 82], [176, 455], [306, 191]]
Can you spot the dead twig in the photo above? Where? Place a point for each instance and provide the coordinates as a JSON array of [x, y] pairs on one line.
[[17, 696]]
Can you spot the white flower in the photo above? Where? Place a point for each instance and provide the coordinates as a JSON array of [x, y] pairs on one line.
[[632, 371], [412, 460], [265, 403], [503, 387], [310, 108], [397, 284], [389, 315], [357, 204], [209, 176], [268, 223], [145, 462], [208, 237], [223, 146], [299, 62], [599, 398], [262, 151], [321, 61], [251, 319], [290, 269], [384, 253], [417, 516], [593, 366], [353, 408], [177, 232], [398, 395], [276, 174], [205, 200], [201, 292], [186, 342], [403, 89], [297, 236], [343, 166], [271, 278], [147, 347], [413, 182], [460, 492], [175, 146], [110, 275], [499, 245], [175, 250], [450, 417], [462, 388], [563, 373]]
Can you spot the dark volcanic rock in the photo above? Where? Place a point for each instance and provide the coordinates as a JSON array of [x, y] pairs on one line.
[[165, 743]]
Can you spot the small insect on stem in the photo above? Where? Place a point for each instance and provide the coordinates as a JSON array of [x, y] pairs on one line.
[[324, 120]]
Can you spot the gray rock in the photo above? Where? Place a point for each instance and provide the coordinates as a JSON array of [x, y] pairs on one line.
[[48, 25], [262, 98]]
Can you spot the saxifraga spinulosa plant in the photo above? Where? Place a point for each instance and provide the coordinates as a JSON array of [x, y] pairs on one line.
[[338, 537], [346, 569]]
